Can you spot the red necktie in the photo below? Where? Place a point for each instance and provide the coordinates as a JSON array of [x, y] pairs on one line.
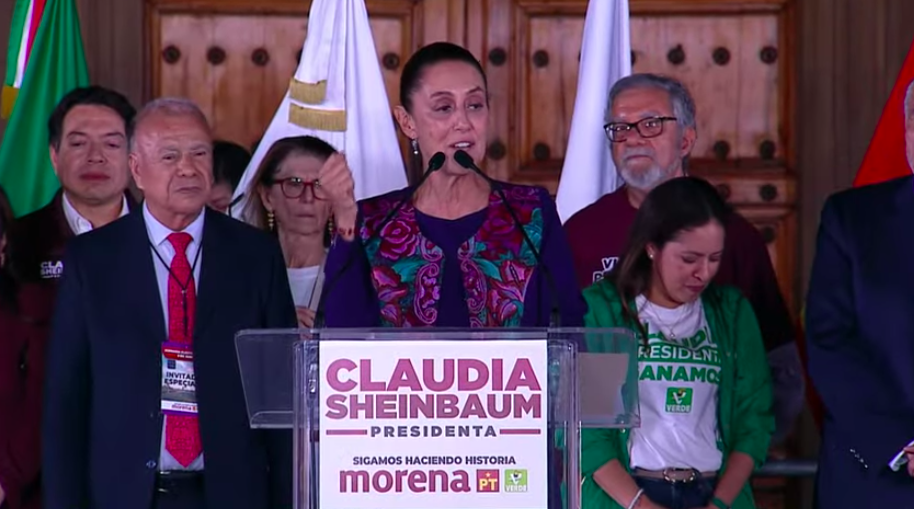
[[182, 433]]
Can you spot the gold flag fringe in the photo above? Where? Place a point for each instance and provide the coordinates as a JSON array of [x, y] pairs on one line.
[[7, 99], [308, 93], [322, 120]]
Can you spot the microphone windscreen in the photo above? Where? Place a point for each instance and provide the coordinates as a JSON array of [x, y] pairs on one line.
[[437, 161], [464, 159]]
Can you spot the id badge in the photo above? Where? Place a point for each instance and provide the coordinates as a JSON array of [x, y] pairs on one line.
[[179, 396]]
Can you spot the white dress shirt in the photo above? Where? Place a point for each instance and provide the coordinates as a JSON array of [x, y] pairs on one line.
[[159, 243], [79, 224]]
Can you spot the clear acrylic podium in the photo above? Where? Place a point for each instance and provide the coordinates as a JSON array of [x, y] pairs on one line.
[[287, 386]]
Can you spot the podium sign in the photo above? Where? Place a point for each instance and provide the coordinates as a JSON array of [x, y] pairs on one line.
[[444, 424], [437, 418]]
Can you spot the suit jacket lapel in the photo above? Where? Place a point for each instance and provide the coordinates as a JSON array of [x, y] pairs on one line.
[[149, 302], [892, 261], [215, 270]]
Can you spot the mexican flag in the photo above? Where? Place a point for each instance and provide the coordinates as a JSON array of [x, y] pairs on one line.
[[45, 61]]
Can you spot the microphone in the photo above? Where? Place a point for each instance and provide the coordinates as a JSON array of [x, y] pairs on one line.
[[464, 159], [434, 164]]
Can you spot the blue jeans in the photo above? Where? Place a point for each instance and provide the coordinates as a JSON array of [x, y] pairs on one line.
[[690, 495]]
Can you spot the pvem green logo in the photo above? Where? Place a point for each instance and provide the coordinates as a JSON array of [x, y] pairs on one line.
[[515, 481], [678, 400]]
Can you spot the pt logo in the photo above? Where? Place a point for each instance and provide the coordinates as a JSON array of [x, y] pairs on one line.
[[516, 481], [678, 400], [487, 481]]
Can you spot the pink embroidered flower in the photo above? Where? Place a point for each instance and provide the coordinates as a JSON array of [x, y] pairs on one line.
[[474, 283], [399, 238], [428, 293], [497, 224], [500, 306], [429, 251], [524, 196], [388, 284], [515, 272], [392, 314], [500, 234]]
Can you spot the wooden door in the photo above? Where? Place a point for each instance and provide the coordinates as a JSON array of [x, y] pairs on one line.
[[735, 57], [235, 59]]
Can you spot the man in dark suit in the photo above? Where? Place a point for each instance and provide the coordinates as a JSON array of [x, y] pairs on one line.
[[860, 335], [87, 142], [144, 406]]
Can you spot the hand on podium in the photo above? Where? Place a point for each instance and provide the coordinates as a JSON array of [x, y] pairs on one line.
[[905, 457], [909, 453], [305, 316]]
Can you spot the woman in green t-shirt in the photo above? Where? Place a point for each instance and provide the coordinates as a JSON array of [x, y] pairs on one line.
[[704, 387]]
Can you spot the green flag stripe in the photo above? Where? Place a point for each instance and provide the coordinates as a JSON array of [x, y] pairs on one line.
[[18, 35], [57, 64]]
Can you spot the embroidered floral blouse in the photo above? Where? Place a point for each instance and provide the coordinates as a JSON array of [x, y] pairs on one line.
[[475, 271]]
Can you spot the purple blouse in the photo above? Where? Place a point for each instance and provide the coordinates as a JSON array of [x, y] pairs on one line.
[[352, 280]]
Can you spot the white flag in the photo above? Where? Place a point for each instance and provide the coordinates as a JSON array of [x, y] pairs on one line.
[[588, 172], [338, 95]]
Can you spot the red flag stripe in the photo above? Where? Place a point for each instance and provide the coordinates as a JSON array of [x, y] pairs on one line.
[[885, 157], [37, 12]]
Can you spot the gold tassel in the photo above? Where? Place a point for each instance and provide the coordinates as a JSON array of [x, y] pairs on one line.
[[308, 93], [321, 120], [7, 99]]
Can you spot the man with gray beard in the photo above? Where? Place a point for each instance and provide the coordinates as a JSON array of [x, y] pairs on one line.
[[650, 126]]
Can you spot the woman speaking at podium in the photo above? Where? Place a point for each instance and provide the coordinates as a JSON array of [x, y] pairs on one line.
[[704, 387], [458, 249]]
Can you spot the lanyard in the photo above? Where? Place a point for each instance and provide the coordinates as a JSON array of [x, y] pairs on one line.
[[185, 285]]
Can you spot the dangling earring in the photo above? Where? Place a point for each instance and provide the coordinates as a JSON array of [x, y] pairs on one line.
[[271, 219], [330, 225], [415, 146]]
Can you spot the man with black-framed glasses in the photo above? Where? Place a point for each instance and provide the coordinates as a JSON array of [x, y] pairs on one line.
[[651, 130]]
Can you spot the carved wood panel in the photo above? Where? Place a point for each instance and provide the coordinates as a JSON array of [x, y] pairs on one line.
[[733, 62], [768, 201], [735, 57], [235, 60]]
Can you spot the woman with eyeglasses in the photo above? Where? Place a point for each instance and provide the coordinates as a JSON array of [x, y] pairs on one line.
[[287, 199]]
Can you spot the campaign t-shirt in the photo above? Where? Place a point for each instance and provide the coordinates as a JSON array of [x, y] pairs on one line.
[[679, 377]]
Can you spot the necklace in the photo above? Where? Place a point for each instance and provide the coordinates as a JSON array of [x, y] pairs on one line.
[[684, 311]]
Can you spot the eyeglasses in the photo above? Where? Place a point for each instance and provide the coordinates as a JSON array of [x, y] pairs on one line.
[[294, 187], [649, 127]]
